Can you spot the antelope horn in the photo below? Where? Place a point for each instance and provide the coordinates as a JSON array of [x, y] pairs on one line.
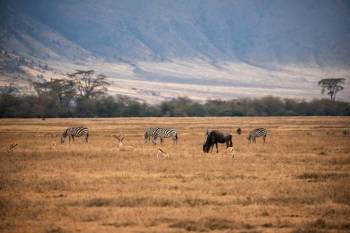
[[160, 149], [116, 137]]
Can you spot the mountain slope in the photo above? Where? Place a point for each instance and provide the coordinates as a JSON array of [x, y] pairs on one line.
[[312, 31], [23, 35]]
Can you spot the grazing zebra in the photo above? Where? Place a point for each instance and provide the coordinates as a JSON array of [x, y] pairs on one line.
[[75, 132], [259, 132], [149, 134], [164, 133]]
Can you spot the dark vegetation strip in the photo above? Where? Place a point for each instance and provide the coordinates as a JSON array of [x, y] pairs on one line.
[[320, 225], [205, 224], [120, 106], [144, 201], [323, 176]]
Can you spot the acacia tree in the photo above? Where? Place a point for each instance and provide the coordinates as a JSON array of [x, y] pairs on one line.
[[88, 84], [62, 89], [332, 85]]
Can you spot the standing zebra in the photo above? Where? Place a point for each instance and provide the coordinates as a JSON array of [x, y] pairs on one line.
[[75, 132], [149, 134], [259, 132], [164, 133]]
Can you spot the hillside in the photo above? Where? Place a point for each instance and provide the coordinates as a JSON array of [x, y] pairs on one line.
[[312, 32], [203, 49]]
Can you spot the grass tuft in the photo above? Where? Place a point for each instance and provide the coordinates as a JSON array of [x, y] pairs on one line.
[[56, 230], [119, 224], [267, 225], [147, 201], [317, 226], [322, 176], [205, 224]]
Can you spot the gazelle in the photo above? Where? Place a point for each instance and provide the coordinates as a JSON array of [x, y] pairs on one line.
[[121, 145], [53, 145], [163, 153], [231, 151]]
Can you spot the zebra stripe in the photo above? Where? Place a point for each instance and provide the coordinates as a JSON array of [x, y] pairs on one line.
[[255, 133], [75, 132], [149, 134], [165, 133]]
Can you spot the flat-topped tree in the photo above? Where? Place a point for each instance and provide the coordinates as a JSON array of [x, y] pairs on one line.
[[332, 85], [88, 84], [61, 89]]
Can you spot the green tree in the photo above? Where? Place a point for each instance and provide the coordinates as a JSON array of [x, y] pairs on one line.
[[88, 84], [61, 89], [332, 85]]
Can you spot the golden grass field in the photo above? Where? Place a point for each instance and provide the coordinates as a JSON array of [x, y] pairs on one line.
[[299, 181]]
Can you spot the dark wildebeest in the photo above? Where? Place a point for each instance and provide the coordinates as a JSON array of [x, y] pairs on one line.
[[239, 131], [215, 137]]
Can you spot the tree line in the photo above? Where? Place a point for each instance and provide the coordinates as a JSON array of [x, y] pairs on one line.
[[122, 106], [84, 94]]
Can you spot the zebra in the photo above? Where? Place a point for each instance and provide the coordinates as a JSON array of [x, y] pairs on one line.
[[164, 133], [259, 132], [149, 134], [75, 132]]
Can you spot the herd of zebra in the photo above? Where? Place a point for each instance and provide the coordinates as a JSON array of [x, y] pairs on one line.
[[212, 137], [154, 133]]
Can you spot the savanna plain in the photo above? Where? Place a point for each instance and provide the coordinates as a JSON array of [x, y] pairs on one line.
[[298, 181]]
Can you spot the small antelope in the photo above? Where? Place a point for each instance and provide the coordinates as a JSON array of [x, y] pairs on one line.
[[121, 145], [53, 145], [163, 153], [12, 147], [231, 151]]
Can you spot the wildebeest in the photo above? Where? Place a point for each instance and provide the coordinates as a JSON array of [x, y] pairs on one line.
[[215, 137], [239, 131]]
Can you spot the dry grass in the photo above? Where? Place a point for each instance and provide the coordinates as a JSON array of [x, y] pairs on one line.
[[299, 181]]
